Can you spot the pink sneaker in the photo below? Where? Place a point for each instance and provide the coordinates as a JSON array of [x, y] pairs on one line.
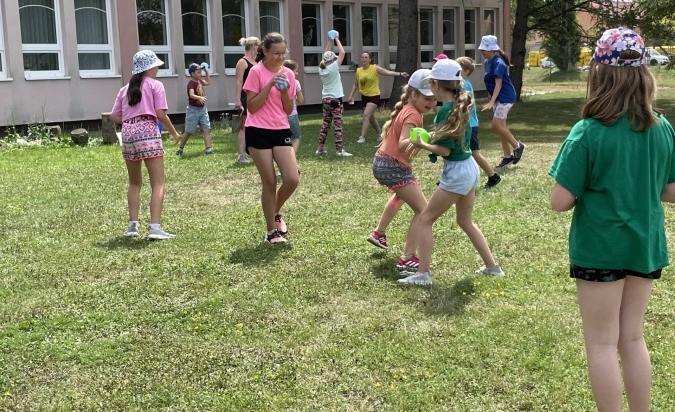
[[378, 240], [412, 263], [281, 225]]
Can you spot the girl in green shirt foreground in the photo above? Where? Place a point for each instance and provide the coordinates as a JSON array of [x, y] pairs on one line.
[[615, 168]]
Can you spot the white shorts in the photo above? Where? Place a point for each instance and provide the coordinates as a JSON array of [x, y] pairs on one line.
[[501, 110], [460, 177]]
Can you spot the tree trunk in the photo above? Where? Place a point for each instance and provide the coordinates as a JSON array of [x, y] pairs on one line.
[[519, 40], [408, 46]]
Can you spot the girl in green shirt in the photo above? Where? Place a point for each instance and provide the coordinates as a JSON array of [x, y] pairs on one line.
[[614, 169]]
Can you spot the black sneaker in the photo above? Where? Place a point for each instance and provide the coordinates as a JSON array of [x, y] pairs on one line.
[[505, 161], [518, 152], [275, 238], [493, 181]]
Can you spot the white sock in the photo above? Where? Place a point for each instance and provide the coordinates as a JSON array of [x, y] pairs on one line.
[[133, 223], [154, 226]]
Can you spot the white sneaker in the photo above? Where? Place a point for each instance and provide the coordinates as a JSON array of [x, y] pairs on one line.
[[493, 271], [159, 234], [321, 152], [361, 139], [132, 231], [243, 159], [420, 279], [343, 153]]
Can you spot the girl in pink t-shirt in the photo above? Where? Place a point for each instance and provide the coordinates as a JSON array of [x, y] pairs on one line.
[[391, 166], [138, 106], [270, 88]]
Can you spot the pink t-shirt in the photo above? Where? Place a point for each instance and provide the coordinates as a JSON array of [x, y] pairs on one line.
[[407, 115], [271, 114], [153, 98]]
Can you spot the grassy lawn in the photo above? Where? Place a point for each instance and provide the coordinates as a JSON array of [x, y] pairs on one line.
[[216, 321]]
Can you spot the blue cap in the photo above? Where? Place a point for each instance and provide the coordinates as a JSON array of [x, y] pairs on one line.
[[194, 67]]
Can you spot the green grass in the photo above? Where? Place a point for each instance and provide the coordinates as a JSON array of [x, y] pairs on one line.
[[216, 321]]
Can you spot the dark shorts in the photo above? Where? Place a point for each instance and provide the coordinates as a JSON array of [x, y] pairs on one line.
[[475, 143], [370, 99], [266, 139], [609, 275]]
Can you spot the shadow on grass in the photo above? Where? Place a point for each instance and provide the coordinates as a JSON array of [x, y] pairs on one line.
[[258, 255], [385, 267], [441, 301], [122, 242]]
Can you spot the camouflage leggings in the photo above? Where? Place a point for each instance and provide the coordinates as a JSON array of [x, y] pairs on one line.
[[332, 112]]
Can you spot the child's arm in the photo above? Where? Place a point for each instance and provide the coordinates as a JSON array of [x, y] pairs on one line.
[[341, 51], [115, 118], [433, 148], [166, 124], [404, 139], [207, 78], [299, 97], [562, 199], [495, 93], [668, 194], [193, 96]]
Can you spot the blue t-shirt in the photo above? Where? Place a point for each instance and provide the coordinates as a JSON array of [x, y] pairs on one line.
[[497, 68], [473, 119]]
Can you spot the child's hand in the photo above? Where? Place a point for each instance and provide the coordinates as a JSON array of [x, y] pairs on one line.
[[279, 77], [350, 100], [176, 137], [488, 106]]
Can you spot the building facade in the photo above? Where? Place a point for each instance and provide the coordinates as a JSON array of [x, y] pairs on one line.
[[65, 60]]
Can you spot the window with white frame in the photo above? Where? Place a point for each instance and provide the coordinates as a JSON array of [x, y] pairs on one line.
[[270, 17], [312, 49], [370, 31], [449, 25], [41, 38], [234, 28], [94, 47], [426, 37], [3, 65], [392, 22], [342, 22], [470, 33], [196, 29], [489, 22], [153, 31]]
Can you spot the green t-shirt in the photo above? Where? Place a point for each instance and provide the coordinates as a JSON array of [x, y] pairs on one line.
[[617, 176], [457, 153]]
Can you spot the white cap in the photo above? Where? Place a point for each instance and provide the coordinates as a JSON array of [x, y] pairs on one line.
[[488, 43], [329, 56], [446, 69], [145, 60], [420, 81]]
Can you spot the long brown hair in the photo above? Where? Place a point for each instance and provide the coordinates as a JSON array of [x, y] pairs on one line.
[[455, 126], [615, 90], [405, 98]]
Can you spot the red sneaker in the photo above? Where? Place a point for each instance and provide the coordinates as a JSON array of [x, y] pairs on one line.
[[412, 263], [379, 240]]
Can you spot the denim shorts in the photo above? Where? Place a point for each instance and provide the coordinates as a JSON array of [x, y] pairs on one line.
[[460, 177], [196, 116], [391, 173], [294, 123], [609, 275]]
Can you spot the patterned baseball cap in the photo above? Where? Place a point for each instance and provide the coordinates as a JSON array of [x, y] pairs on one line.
[[193, 68], [145, 60], [329, 56], [613, 42]]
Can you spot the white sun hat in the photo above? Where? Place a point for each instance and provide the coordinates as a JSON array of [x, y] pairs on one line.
[[489, 43], [145, 60]]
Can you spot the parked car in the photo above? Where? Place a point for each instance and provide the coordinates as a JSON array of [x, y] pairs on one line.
[[655, 58], [546, 62]]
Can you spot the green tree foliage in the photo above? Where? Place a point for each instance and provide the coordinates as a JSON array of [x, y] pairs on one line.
[[563, 42]]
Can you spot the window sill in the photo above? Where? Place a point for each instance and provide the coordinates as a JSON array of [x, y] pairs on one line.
[[166, 75], [30, 79], [100, 76], [312, 69], [6, 79]]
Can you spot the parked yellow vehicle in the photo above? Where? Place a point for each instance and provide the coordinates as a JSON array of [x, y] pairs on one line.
[[534, 58]]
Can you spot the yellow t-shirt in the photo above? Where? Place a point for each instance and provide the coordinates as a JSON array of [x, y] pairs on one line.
[[368, 81]]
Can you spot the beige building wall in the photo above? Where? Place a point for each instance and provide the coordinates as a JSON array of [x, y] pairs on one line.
[[70, 96]]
